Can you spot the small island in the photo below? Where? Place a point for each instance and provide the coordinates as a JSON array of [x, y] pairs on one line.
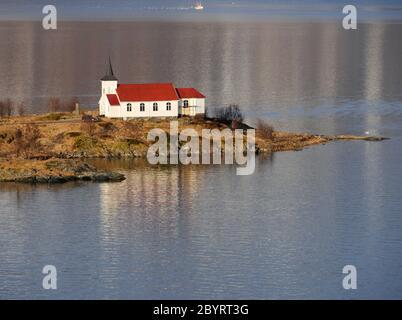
[[53, 147]]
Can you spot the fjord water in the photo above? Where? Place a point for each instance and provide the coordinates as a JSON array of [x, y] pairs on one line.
[[201, 231]]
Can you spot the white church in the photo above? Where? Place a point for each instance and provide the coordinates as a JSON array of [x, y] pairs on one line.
[[127, 101]]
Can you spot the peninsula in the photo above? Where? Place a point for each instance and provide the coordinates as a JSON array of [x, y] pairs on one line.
[[53, 147]]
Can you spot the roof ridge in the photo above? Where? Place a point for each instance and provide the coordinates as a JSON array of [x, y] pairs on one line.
[[163, 91], [148, 83]]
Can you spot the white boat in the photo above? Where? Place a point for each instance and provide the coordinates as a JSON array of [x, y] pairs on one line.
[[198, 6]]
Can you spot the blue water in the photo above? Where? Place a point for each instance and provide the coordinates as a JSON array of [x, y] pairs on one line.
[[201, 231], [196, 232], [128, 10]]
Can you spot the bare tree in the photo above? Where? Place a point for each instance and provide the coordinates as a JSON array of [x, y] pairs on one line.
[[70, 104], [265, 130], [8, 106], [21, 109], [2, 109], [54, 104], [230, 114]]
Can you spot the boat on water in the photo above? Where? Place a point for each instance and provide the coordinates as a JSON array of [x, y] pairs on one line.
[[198, 6]]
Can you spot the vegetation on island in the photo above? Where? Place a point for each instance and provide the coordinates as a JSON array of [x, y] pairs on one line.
[[51, 147]]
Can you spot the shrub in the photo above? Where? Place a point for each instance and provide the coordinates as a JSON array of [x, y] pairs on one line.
[[69, 106], [265, 130], [54, 104], [90, 118], [9, 107], [32, 135], [19, 142], [73, 134], [88, 128], [21, 109], [127, 146], [27, 140], [133, 129], [85, 143], [7, 136], [58, 138], [53, 116], [230, 114], [107, 128], [6, 108]]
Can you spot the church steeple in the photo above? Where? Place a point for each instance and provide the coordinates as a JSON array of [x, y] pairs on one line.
[[109, 73]]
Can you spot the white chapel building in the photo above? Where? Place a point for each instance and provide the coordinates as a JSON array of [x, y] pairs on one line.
[[147, 100]]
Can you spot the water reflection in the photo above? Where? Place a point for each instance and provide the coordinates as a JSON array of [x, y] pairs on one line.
[[201, 231], [268, 68]]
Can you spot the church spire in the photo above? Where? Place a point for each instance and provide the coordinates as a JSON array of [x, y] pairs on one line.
[[109, 73]]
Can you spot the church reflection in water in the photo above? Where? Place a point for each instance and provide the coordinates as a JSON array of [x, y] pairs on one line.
[[145, 187], [152, 197]]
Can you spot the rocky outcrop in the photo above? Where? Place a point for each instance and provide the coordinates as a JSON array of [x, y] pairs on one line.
[[53, 171]]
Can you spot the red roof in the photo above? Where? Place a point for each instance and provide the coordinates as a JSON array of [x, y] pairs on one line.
[[147, 92], [189, 93], [113, 99]]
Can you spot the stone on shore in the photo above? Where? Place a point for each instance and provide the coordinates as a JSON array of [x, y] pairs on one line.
[[53, 171]]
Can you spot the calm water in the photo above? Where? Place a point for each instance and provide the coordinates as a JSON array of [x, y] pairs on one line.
[[202, 231]]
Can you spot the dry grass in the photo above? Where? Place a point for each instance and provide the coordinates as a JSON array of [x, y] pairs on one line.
[[69, 137], [265, 130], [52, 171]]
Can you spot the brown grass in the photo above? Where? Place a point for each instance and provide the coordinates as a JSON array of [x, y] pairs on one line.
[[37, 137], [265, 130]]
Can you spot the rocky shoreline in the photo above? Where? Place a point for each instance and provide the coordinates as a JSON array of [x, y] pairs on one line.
[[54, 171], [40, 149]]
